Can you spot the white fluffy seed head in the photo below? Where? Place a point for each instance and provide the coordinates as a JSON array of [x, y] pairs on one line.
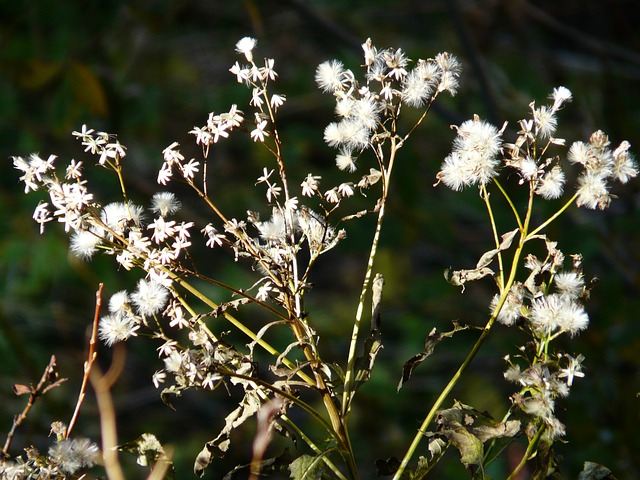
[[165, 203], [149, 297], [329, 75]]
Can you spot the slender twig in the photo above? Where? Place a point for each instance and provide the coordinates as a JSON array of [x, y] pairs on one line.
[[90, 359], [48, 381], [509, 201]]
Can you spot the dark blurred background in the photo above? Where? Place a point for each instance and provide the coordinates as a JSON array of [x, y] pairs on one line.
[[150, 70]]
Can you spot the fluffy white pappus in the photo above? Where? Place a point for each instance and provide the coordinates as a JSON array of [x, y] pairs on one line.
[[569, 283], [119, 215], [345, 160], [149, 298], [366, 112], [551, 185], [245, 46], [119, 302], [593, 192], [474, 157], [165, 203], [117, 327], [450, 67], [579, 152], [345, 107], [348, 132], [512, 308], [453, 172], [528, 168], [84, 244], [575, 318], [478, 136], [313, 229], [416, 91], [329, 76], [73, 454], [560, 96], [546, 122], [558, 312], [624, 165], [275, 229]]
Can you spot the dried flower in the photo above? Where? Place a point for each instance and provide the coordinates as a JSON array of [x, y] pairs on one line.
[[149, 297], [246, 46], [329, 76], [73, 454], [118, 327]]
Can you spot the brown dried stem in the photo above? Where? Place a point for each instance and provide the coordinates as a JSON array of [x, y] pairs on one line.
[[48, 381], [90, 359]]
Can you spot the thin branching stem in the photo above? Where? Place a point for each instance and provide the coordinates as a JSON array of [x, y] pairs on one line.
[[45, 384], [496, 238], [474, 350], [554, 216], [516, 215]]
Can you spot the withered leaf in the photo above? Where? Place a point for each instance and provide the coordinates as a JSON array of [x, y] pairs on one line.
[[430, 344]]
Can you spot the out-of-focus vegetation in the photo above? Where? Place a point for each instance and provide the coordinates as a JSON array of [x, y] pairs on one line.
[[150, 70]]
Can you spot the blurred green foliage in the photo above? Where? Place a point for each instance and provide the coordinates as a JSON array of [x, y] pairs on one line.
[[149, 70]]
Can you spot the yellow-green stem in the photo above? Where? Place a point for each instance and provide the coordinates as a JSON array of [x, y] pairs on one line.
[[532, 444], [476, 347], [350, 374]]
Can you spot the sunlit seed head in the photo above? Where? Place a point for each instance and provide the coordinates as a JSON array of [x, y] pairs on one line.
[[551, 184], [246, 46], [329, 75], [84, 244], [149, 297], [345, 160], [165, 203], [119, 302]]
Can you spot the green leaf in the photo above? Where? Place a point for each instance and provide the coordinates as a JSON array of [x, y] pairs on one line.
[[306, 467], [467, 429], [469, 446]]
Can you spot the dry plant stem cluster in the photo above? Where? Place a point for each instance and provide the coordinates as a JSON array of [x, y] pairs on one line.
[[541, 296], [48, 381]]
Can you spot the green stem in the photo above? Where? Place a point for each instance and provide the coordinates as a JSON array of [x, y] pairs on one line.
[[445, 393], [554, 216], [494, 228], [313, 446], [347, 394], [532, 445], [509, 201], [474, 350]]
